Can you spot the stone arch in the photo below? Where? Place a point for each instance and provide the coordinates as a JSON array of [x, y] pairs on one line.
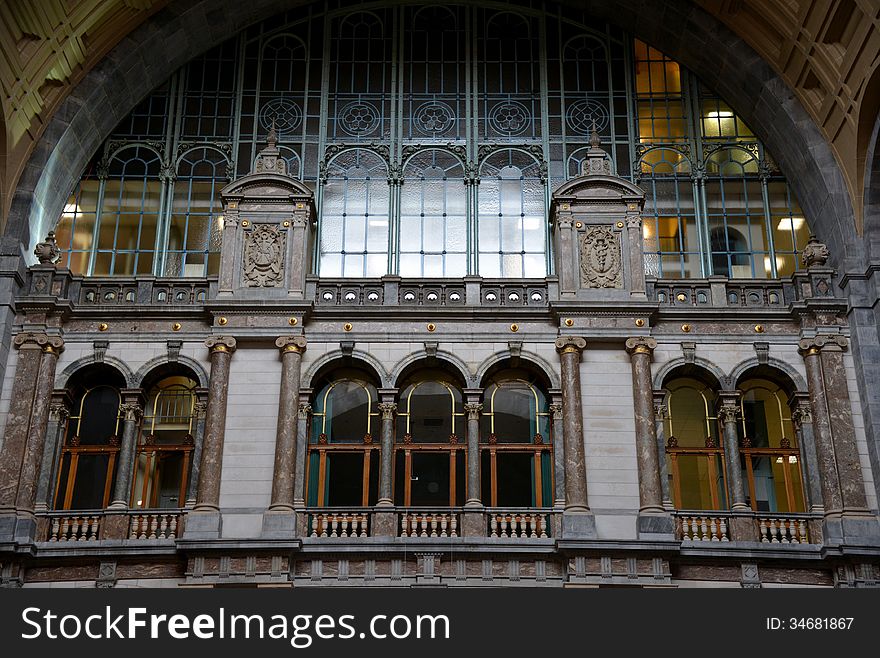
[[112, 88], [680, 366], [201, 375], [440, 358], [63, 378], [329, 360], [529, 360], [783, 373]]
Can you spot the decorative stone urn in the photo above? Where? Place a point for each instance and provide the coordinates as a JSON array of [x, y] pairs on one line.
[[47, 252]]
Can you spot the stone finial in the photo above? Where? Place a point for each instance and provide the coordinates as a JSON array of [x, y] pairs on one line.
[[815, 253], [47, 252], [597, 161], [269, 160], [641, 345], [291, 344]]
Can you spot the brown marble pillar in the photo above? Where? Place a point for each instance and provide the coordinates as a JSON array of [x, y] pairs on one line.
[[558, 453], [650, 490], [802, 419], [131, 410], [569, 348], [729, 414], [292, 348], [59, 410], [208, 498], [387, 409], [39, 418], [304, 413], [199, 409], [30, 350], [474, 495]]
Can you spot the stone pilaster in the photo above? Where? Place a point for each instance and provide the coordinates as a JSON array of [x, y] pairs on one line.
[[565, 251], [131, 411], [39, 418], [802, 419], [59, 410], [847, 518], [577, 521], [204, 522], [303, 416], [558, 453], [653, 519], [387, 409], [636, 258], [199, 409], [227, 248], [661, 411]]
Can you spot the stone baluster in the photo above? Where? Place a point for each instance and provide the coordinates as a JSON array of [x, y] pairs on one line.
[[292, 348], [387, 409], [473, 410], [802, 419], [577, 520], [653, 519], [205, 520], [558, 453], [131, 411], [843, 488], [661, 411]]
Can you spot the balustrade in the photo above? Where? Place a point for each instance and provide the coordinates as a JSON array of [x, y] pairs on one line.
[[519, 525], [339, 524], [429, 524], [154, 526], [75, 528]]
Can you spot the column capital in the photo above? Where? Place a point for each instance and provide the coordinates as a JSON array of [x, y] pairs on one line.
[[220, 344], [473, 410], [556, 410], [641, 345], [728, 412], [304, 409], [387, 409], [814, 345], [291, 344], [661, 407], [58, 411], [568, 344], [35, 340], [131, 410], [199, 408]]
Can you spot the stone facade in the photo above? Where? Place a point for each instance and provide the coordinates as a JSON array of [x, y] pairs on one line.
[[605, 353]]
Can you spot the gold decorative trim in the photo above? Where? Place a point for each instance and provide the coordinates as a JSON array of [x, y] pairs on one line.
[[285, 224], [640, 322], [569, 322], [293, 322], [759, 328], [514, 327], [245, 223], [431, 326], [103, 326], [222, 321], [619, 224], [686, 328], [347, 326]]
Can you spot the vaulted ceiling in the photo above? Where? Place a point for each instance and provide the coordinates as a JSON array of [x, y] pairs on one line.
[[828, 51]]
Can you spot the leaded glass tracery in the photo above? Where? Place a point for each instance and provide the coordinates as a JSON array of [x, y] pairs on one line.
[[400, 81]]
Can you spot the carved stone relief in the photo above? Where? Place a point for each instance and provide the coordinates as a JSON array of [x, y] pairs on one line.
[[263, 257], [600, 259]]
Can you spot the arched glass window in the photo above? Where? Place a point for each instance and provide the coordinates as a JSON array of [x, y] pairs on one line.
[[75, 232], [343, 456], [430, 448], [195, 232], [354, 216], [669, 221], [770, 450], [165, 445], [433, 217], [512, 224], [132, 196], [91, 446], [693, 447], [516, 459]]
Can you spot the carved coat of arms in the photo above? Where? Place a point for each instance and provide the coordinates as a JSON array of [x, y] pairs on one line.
[[600, 259], [263, 257]]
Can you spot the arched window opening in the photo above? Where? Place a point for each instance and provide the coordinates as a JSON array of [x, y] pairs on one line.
[[430, 451], [516, 458], [91, 445], [354, 216], [343, 455], [165, 445], [693, 446], [770, 450]]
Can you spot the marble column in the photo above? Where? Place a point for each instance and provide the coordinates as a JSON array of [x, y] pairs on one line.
[[802, 419], [39, 418], [208, 497], [30, 351], [474, 495], [729, 414], [131, 411], [650, 489], [558, 453], [292, 348], [303, 417], [577, 520], [199, 409], [387, 409], [661, 409], [847, 517], [59, 410]]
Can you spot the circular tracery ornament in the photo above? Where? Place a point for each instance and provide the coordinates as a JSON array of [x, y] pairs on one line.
[[584, 114], [359, 118], [509, 118], [286, 114], [434, 118]]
